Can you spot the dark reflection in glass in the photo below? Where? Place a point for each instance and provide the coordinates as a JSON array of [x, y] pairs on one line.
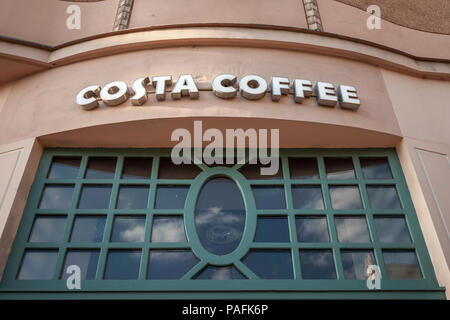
[[122, 264], [401, 264], [345, 197], [312, 229], [128, 229], [272, 229], [303, 168], [220, 273], [132, 197], [64, 168], [392, 229], [383, 197], [317, 264], [171, 197], [168, 229], [95, 197], [270, 264], [101, 168], [339, 168], [269, 197], [356, 262], [307, 197], [38, 265], [137, 168], [87, 260], [56, 197], [48, 229], [169, 170], [88, 229], [170, 264], [253, 171], [352, 229], [375, 168], [220, 215]]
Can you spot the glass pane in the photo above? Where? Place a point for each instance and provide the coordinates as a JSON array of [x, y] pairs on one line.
[[375, 168], [312, 229], [64, 168], [137, 168], [171, 197], [88, 229], [95, 197], [122, 264], [101, 168], [220, 216], [270, 264], [272, 229], [168, 229], [317, 264], [38, 265], [383, 197], [87, 260], [269, 197], [352, 229], [402, 264], [56, 197], [48, 229], [345, 197], [356, 262], [128, 229], [307, 197], [220, 273], [303, 168], [169, 170], [340, 168], [253, 171], [392, 229], [170, 264], [132, 197]]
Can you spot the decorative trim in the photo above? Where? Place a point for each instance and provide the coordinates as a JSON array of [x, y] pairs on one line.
[[123, 15], [312, 15]]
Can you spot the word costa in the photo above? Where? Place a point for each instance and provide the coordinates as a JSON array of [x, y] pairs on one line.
[[224, 86]]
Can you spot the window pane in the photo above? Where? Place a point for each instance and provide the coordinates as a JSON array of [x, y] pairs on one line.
[[312, 229], [375, 168], [253, 171], [137, 168], [356, 262], [87, 260], [95, 197], [64, 168], [169, 170], [392, 229], [402, 264], [272, 229], [56, 197], [269, 197], [220, 273], [340, 168], [270, 264], [101, 168], [171, 197], [132, 197], [88, 229], [303, 168], [48, 229], [383, 197], [317, 264], [170, 264], [128, 229], [168, 229], [38, 265], [307, 197], [352, 229], [123, 264], [345, 197]]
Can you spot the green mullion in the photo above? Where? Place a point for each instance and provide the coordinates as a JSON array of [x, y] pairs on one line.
[[273, 212], [194, 270], [174, 181], [169, 245], [271, 245], [245, 270], [268, 182]]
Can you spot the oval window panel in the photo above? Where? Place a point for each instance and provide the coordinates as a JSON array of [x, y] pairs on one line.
[[220, 216]]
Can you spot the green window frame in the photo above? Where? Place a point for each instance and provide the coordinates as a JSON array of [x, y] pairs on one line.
[[254, 287]]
